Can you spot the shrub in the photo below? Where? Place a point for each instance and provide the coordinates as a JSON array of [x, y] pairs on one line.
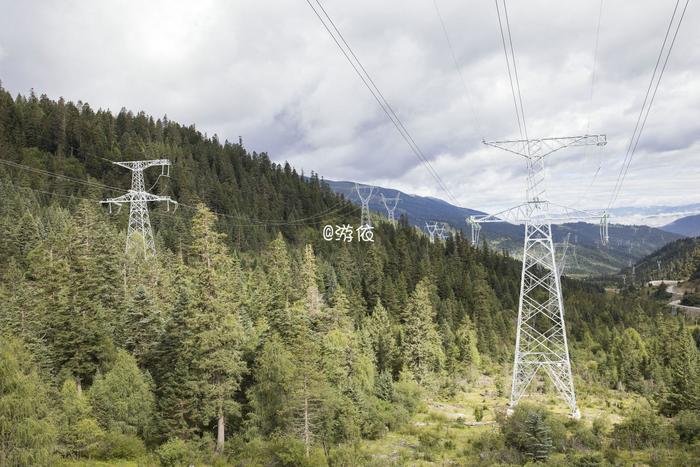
[[687, 425], [642, 429], [291, 452], [601, 426], [407, 393], [175, 453], [117, 445], [348, 456], [582, 437], [479, 413], [587, 460]]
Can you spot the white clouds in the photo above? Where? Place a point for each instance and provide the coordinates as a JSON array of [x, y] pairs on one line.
[[267, 70]]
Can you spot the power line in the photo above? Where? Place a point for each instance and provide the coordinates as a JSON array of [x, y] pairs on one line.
[[590, 104], [644, 111], [510, 74], [515, 70], [369, 83], [280, 222], [467, 93], [61, 176]]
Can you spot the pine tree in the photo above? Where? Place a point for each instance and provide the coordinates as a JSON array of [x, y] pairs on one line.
[[421, 350], [467, 344], [122, 399], [219, 335], [27, 431], [381, 334], [631, 356], [79, 433], [538, 437], [270, 396], [144, 325], [684, 387], [173, 365]]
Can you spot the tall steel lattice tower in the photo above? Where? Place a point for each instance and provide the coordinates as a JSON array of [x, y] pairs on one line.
[[432, 228], [391, 204], [138, 198], [365, 195], [541, 334]]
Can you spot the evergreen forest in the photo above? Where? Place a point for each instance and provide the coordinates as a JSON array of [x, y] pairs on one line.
[[250, 340]]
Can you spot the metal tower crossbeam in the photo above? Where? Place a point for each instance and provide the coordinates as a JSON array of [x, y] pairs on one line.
[[542, 147], [535, 151], [138, 198]]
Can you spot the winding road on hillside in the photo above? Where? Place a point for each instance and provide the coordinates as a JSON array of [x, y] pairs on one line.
[[676, 297]]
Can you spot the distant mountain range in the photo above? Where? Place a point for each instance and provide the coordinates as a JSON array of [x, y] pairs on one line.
[[653, 216], [628, 243], [688, 226]]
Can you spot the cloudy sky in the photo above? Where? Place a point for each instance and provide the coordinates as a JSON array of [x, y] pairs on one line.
[[268, 70]]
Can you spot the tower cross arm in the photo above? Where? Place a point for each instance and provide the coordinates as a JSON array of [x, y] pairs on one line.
[[141, 165], [541, 147], [541, 212], [139, 196]]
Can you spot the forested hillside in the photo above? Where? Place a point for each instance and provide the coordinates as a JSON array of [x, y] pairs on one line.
[[587, 256], [679, 260], [250, 340]]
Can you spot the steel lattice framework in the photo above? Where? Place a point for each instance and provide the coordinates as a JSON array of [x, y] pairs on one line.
[[541, 334], [391, 204], [365, 194], [431, 227], [138, 199]]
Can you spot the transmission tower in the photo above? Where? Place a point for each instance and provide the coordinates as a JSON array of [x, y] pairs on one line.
[[390, 204], [431, 227], [475, 230], [440, 231], [365, 195], [562, 261], [541, 335], [138, 199]]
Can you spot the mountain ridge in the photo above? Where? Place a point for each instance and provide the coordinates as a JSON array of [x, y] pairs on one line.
[[628, 243]]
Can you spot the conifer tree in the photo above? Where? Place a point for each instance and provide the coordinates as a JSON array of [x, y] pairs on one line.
[[122, 399], [381, 334], [79, 433], [173, 366], [421, 350], [219, 335], [270, 396], [27, 431], [684, 388], [631, 356], [538, 437]]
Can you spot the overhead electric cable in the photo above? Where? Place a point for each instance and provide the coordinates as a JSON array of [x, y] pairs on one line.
[[646, 108], [515, 71], [469, 96], [278, 222], [61, 176], [590, 104], [369, 83], [510, 75]]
